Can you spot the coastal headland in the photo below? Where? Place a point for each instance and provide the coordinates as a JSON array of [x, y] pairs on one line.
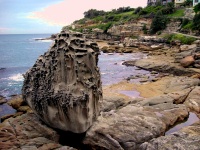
[[159, 111]]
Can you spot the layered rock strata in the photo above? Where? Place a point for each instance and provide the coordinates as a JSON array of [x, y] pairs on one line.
[[64, 87]]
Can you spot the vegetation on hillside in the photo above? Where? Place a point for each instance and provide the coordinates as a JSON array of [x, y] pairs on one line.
[[192, 25], [160, 13], [159, 22]]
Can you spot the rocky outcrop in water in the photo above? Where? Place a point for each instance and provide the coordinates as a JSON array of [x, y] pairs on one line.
[[64, 87]]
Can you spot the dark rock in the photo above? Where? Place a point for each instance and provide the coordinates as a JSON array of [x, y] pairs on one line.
[[160, 64], [193, 100], [63, 87], [2, 100], [2, 68], [197, 66]]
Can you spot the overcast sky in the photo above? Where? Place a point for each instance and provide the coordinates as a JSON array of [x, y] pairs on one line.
[[49, 16]]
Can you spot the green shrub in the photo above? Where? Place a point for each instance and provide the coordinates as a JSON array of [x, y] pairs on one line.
[[159, 22], [110, 18], [189, 26], [144, 28], [137, 10], [196, 22], [150, 9], [197, 8], [159, 33], [98, 19]]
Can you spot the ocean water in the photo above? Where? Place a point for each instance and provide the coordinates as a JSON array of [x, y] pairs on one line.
[[19, 53]]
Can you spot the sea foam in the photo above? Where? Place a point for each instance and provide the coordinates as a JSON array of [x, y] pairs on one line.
[[17, 77]]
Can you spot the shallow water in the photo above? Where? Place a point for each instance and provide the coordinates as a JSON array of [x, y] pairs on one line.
[[191, 119], [132, 94]]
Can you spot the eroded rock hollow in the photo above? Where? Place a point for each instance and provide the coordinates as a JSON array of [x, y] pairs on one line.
[[64, 86]]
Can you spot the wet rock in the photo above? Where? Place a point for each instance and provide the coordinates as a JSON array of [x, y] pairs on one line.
[[193, 100], [2, 100], [161, 64], [187, 138], [187, 61], [63, 87], [2, 68]]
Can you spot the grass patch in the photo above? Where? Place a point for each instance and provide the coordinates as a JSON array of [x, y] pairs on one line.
[[177, 13], [184, 39]]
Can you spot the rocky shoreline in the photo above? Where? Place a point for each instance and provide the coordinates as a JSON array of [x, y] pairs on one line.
[[126, 122]]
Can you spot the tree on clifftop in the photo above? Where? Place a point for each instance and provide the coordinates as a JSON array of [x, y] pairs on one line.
[[197, 8], [196, 22], [159, 22], [92, 13], [196, 19]]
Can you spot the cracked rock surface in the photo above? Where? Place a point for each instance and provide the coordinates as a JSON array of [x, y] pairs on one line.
[[64, 87]]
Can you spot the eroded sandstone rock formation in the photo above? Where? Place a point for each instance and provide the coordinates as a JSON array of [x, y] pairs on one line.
[[64, 87]]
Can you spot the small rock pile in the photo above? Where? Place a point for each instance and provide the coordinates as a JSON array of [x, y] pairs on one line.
[[189, 55]]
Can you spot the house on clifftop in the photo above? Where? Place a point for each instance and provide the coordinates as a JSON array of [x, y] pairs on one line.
[[179, 2], [154, 2], [164, 2], [195, 2]]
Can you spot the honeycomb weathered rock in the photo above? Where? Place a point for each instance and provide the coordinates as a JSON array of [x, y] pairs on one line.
[[64, 86]]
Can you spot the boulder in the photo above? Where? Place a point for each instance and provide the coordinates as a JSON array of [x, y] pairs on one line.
[[181, 55], [187, 61], [129, 42], [64, 86]]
